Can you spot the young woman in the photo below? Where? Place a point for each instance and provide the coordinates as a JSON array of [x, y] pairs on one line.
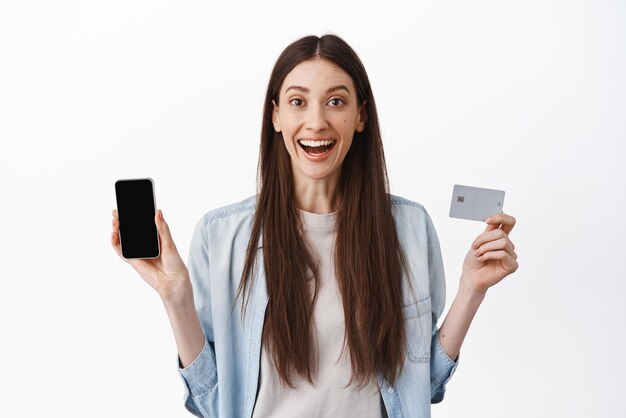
[[320, 295]]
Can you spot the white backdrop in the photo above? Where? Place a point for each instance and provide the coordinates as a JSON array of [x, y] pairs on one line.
[[524, 96]]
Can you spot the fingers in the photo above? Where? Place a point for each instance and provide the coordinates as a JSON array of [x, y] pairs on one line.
[[164, 231], [491, 235], [498, 226], [499, 244], [508, 262], [116, 243], [115, 235], [497, 219]]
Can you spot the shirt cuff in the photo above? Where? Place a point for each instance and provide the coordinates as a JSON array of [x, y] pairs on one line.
[[442, 367], [201, 374]]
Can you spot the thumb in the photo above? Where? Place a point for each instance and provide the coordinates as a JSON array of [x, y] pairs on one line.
[[164, 230], [491, 224]]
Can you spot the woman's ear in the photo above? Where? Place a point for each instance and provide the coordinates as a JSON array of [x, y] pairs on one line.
[[275, 118], [361, 117]]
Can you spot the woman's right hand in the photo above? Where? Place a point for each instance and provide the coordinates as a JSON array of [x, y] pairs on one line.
[[167, 274]]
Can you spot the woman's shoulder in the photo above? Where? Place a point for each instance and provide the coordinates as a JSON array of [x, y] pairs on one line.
[[402, 203], [413, 222], [411, 214], [242, 209]]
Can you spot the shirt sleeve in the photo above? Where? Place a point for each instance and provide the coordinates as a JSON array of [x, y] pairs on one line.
[[200, 376], [442, 367]]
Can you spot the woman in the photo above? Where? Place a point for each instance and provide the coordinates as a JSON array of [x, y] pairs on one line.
[[319, 296]]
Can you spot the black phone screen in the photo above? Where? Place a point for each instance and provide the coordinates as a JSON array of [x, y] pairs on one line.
[[136, 207]]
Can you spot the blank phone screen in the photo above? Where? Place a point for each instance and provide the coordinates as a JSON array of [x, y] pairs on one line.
[[139, 237]]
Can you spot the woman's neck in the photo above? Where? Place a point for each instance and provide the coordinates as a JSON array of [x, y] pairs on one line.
[[316, 195]]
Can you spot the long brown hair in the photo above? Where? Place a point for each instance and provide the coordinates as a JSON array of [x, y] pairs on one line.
[[368, 260]]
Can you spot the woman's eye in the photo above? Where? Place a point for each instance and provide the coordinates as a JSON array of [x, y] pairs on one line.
[[292, 100], [336, 98]]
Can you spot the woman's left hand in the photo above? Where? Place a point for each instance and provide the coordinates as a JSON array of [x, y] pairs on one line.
[[492, 256]]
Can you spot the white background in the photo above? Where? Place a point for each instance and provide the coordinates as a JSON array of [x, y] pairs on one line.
[[525, 96]]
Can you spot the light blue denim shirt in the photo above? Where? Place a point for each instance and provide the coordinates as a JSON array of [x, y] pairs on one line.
[[223, 380]]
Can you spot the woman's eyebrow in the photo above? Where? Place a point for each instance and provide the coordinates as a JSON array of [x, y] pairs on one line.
[[306, 90]]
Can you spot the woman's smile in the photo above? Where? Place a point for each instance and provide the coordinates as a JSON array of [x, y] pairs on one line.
[[317, 149]]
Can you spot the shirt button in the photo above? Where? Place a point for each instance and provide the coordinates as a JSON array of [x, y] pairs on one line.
[[390, 389]]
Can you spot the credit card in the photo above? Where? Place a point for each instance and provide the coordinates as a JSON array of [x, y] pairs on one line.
[[475, 203]]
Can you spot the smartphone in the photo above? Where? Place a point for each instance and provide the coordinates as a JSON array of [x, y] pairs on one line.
[[136, 207], [475, 203]]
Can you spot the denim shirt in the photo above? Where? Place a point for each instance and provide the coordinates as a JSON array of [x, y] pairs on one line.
[[223, 380]]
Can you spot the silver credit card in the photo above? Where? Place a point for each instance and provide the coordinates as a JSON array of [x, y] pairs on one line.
[[475, 203]]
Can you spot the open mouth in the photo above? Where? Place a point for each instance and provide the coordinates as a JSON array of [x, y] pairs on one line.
[[317, 147]]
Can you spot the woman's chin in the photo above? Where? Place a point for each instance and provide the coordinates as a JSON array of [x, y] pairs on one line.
[[318, 173]]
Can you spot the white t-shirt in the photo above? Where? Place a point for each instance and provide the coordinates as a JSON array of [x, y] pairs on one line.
[[330, 396]]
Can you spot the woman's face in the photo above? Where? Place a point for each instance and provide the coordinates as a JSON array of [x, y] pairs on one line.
[[318, 114]]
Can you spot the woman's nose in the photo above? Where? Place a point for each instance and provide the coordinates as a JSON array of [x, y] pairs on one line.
[[316, 119]]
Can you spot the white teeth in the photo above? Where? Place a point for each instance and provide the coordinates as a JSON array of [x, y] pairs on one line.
[[310, 143]]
